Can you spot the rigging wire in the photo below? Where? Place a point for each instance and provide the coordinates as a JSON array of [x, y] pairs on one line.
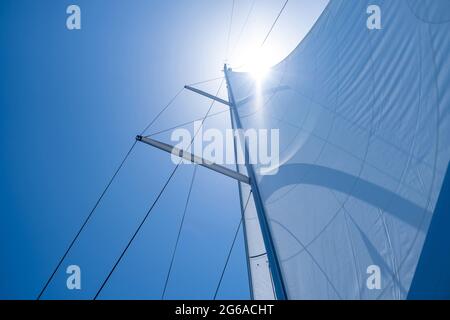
[[274, 23], [86, 221], [162, 111], [231, 247], [136, 232], [184, 124], [205, 81], [195, 120], [243, 28], [179, 233], [192, 121], [229, 30], [268, 33], [154, 202], [105, 190], [228, 258]]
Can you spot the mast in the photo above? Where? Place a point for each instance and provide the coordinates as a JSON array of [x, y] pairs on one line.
[[243, 210], [274, 265]]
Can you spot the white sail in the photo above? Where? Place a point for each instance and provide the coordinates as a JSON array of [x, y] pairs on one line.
[[364, 143]]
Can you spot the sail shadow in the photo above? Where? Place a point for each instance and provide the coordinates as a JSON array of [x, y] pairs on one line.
[[356, 187], [379, 260]]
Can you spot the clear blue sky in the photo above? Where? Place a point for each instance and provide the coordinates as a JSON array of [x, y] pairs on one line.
[[71, 105]]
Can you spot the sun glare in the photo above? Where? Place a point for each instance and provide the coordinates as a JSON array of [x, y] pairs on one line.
[[258, 62], [259, 69]]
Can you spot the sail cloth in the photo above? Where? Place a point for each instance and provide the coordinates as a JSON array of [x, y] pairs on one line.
[[364, 120]]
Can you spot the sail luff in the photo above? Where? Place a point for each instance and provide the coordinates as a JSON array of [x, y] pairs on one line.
[[275, 269]]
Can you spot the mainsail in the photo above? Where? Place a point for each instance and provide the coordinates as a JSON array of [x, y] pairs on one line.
[[364, 147]]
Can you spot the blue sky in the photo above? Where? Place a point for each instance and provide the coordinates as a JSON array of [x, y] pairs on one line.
[[71, 105]]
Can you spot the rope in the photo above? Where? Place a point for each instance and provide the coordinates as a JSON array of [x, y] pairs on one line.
[[154, 203], [179, 233], [231, 247]]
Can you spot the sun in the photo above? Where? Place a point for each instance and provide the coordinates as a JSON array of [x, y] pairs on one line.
[[258, 62], [258, 68]]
